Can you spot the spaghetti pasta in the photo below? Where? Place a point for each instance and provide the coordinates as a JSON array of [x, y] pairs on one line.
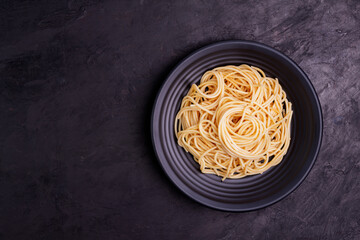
[[235, 122]]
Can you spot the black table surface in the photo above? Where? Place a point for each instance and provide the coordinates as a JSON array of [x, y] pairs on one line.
[[78, 82]]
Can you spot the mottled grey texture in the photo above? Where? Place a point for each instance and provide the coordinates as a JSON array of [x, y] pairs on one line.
[[78, 80]]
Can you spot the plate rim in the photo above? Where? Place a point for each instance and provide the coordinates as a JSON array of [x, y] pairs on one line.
[[318, 108]]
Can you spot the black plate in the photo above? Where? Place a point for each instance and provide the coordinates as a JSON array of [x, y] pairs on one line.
[[252, 192]]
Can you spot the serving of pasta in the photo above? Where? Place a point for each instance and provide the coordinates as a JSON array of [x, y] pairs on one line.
[[235, 122]]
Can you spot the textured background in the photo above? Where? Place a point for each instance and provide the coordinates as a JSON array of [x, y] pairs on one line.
[[78, 80]]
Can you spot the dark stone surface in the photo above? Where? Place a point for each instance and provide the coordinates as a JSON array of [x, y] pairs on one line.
[[78, 80]]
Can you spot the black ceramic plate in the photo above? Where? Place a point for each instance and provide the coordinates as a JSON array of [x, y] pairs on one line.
[[252, 192]]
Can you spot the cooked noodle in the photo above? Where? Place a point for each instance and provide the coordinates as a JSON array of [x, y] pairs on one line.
[[236, 122]]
